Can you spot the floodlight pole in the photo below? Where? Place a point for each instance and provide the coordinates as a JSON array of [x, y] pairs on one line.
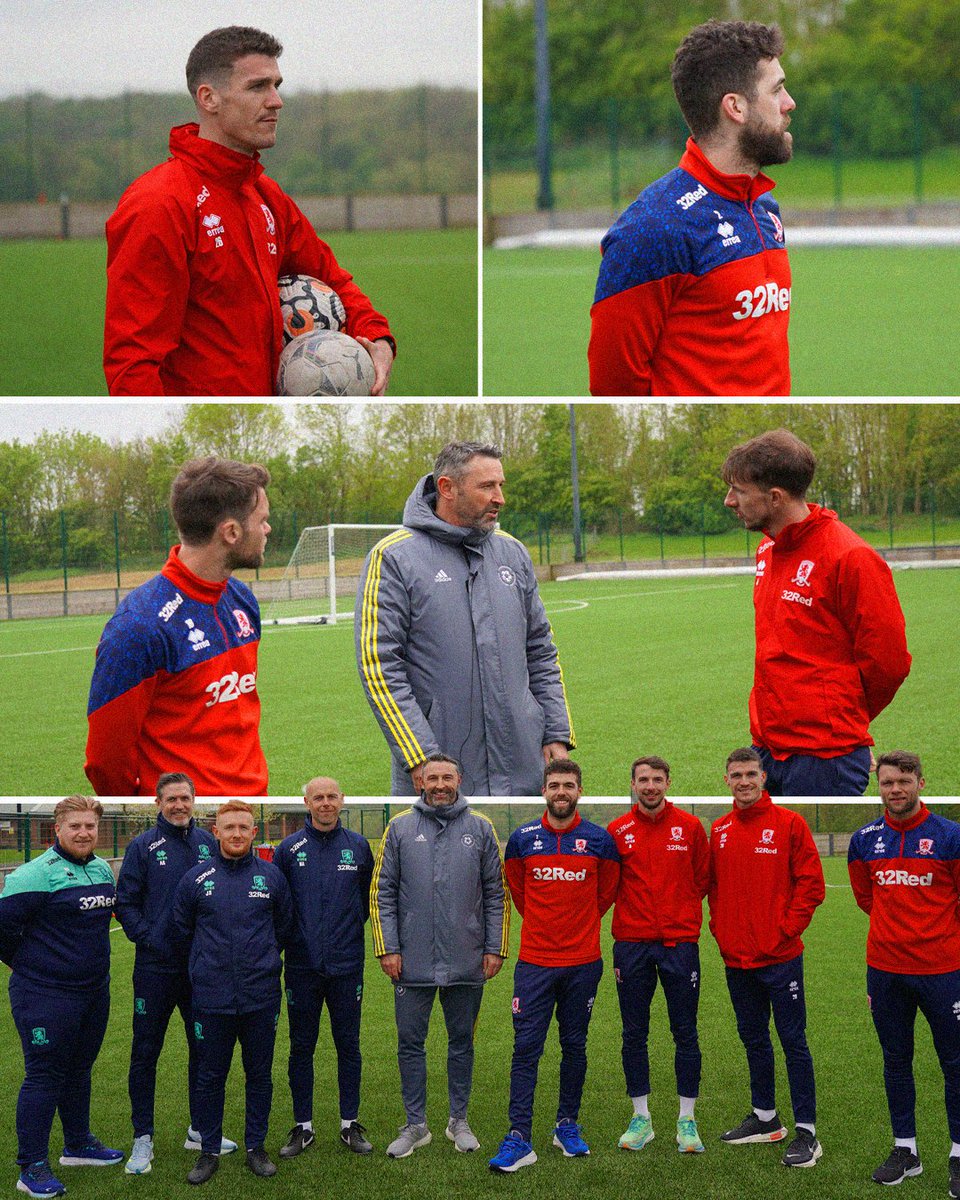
[[575, 481], [542, 105]]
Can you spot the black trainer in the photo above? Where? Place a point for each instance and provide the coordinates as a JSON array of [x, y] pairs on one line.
[[803, 1151], [258, 1160], [954, 1168], [752, 1129], [353, 1138], [901, 1163], [299, 1139], [204, 1168]]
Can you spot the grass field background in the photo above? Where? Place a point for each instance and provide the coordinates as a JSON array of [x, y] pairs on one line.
[[852, 1120], [51, 342], [658, 666], [863, 322]]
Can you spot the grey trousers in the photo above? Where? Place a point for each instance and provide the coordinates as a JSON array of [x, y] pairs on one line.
[[412, 1006]]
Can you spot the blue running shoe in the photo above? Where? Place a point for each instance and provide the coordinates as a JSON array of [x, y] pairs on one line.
[[513, 1154], [38, 1180], [92, 1154], [569, 1137]]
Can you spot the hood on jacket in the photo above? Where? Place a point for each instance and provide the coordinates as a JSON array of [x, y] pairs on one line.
[[420, 512], [447, 813]]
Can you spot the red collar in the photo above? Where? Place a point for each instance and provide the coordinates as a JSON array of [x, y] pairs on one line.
[[211, 160], [545, 822], [794, 533], [911, 822], [203, 590], [763, 805], [745, 188], [639, 815]]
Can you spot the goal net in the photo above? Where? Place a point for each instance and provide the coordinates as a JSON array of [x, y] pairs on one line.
[[319, 583]]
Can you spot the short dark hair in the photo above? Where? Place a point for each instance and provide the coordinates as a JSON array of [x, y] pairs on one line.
[[653, 761], [453, 458], [562, 766], [210, 490], [212, 59], [716, 58], [743, 755], [447, 758], [902, 760], [774, 459], [172, 777]]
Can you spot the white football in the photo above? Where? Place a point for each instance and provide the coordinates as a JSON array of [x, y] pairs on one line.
[[324, 363], [307, 304]]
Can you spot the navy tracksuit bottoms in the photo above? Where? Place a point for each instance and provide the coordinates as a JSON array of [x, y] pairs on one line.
[[61, 1033], [755, 992], [215, 1035], [155, 996], [307, 991]]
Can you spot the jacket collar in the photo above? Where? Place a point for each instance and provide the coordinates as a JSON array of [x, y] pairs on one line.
[[918, 818], [420, 512], [795, 533], [745, 188], [168, 829], [321, 833], [234, 864], [203, 590], [763, 805], [212, 161], [545, 822], [79, 862], [640, 815], [449, 812]]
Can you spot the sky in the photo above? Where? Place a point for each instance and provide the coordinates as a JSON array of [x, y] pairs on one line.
[[102, 47]]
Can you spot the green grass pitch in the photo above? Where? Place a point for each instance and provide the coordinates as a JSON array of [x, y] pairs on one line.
[[863, 322], [852, 1120], [51, 342], [651, 666]]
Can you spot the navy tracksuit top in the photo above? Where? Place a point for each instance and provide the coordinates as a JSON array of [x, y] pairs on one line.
[[329, 876], [237, 916], [153, 865]]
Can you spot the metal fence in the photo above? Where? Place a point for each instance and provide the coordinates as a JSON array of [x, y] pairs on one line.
[[880, 146], [82, 559]]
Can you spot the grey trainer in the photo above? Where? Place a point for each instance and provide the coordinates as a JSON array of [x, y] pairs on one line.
[[462, 1136], [141, 1156], [410, 1138]]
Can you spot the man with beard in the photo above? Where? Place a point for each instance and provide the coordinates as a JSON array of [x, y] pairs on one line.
[[831, 647], [175, 679], [563, 873], [454, 649], [693, 296], [441, 923]]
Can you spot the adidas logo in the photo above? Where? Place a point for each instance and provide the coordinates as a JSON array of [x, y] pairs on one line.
[[419, 838], [442, 577]]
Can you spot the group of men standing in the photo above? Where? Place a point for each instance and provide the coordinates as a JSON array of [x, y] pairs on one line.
[[210, 921]]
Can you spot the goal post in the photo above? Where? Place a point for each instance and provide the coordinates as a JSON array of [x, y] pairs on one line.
[[323, 572]]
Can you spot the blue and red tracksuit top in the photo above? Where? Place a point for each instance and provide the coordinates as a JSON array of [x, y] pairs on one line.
[[174, 688], [906, 877], [236, 915], [153, 864], [664, 876], [55, 916], [693, 296], [562, 882], [329, 874]]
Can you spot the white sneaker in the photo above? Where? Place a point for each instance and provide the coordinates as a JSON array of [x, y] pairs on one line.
[[193, 1142], [410, 1138], [462, 1136], [141, 1156]]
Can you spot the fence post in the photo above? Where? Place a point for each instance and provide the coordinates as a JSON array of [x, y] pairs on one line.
[[613, 130], [6, 564], [837, 151], [64, 216], [703, 529], [620, 524], [660, 524], [933, 515], [917, 142], [63, 558], [116, 552]]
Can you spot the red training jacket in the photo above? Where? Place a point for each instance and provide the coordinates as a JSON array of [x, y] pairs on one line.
[[194, 251], [562, 882], [664, 875], [174, 688], [831, 641], [765, 883], [906, 876], [694, 291]]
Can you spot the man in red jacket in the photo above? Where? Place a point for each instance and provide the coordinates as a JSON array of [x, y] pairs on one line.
[[175, 679], [831, 642], [196, 245], [905, 874], [693, 296], [664, 875], [765, 883]]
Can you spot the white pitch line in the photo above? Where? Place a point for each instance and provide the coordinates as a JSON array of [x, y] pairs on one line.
[[61, 650]]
